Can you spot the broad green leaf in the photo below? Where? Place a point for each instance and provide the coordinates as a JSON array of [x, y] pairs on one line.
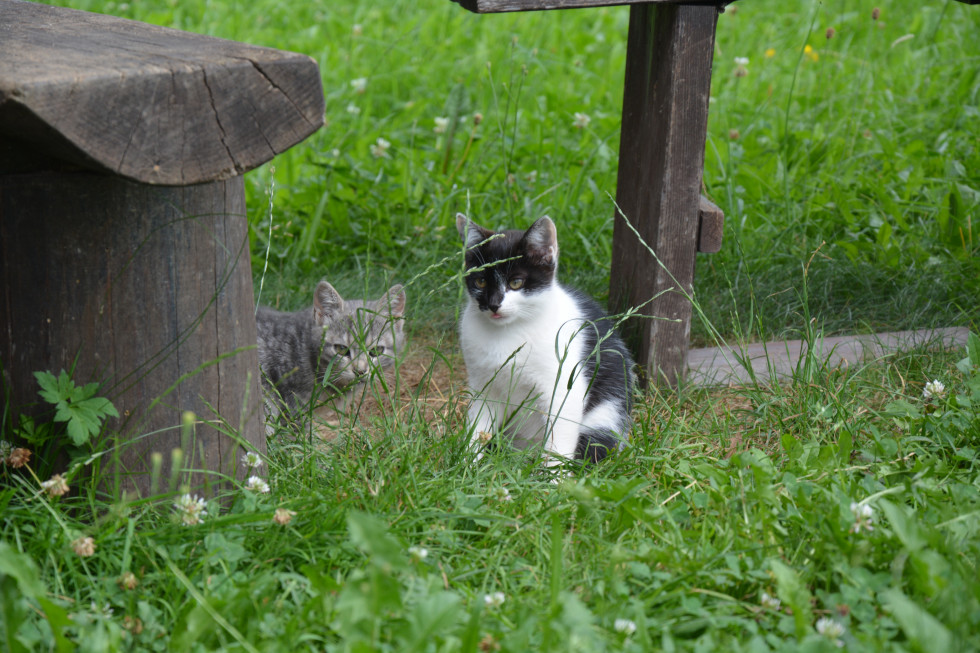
[[434, 615], [225, 548], [59, 621], [22, 569], [930, 570], [371, 536], [972, 360], [794, 594], [906, 528], [923, 629], [49, 387]]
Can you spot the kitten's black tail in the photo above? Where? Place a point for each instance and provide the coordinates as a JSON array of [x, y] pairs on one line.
[[596, 444]]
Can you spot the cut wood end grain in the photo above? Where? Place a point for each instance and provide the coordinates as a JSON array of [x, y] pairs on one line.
[[148, 103], [711, 226]]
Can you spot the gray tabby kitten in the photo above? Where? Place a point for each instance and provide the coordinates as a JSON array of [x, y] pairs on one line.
[[333, 345]]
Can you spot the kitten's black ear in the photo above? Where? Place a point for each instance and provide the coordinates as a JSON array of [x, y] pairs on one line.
[[471, 233], [541, 243], [327, 302], [393, 302]]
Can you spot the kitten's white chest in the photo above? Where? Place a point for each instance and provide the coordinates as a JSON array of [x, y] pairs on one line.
[[526, 360]]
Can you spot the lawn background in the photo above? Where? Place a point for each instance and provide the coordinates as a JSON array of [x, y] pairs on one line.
[[848, 168]]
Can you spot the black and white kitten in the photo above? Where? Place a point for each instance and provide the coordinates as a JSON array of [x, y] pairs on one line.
[[333, 345], [545, 364]]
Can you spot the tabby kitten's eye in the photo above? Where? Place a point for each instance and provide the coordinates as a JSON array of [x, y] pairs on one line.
[[342, 350], [480, 283], [376, 352], [516, 283]]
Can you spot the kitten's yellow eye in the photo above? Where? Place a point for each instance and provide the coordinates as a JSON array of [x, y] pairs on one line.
[[516, 283], [480, 283], [342, 350]]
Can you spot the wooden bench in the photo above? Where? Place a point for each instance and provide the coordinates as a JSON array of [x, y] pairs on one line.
[[122, 215], [661, 162]]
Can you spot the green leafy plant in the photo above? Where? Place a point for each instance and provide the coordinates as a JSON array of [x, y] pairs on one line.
[[79, 407]]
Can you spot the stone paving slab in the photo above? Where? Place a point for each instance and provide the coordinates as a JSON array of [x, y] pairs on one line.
[[774, 362]]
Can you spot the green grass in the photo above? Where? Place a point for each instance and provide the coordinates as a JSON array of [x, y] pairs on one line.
[[857, 160]]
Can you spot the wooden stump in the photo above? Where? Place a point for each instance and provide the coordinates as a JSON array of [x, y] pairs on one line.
[[661, 161], [123, 234], [146, 289]]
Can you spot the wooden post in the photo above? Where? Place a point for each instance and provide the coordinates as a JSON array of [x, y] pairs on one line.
[[661, 161], [123, 234]]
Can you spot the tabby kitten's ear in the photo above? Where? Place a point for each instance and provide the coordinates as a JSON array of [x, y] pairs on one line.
[[471, 233], [541, 243], [392, 302], [327, 302]]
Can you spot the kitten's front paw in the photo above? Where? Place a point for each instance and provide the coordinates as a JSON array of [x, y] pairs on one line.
[[479, 443]]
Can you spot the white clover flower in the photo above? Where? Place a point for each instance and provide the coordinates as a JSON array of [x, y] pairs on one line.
[[84, 546], [252, 459], [442, 124], [380, 148], [128, 581], [359, 85], [256, 484], [18, 457], [832, 630], [863, 517], [283, 516], [56, 486], [191, 509], [581, 121], [353, 109], [484, 437], [502, 494], [935, 389], [494, 600], [741, 66], [106, 609], [357, 29], [418, 552], [769, 602], [625, 626]]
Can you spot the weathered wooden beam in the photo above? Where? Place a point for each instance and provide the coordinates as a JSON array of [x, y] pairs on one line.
[[498, 6], [661, 160], [148, 103], [711, 226]]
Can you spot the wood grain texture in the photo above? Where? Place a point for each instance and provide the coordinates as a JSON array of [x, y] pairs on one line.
[[711, 226], [498, 6], [148, 103], [152, 300], [661, 160]]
